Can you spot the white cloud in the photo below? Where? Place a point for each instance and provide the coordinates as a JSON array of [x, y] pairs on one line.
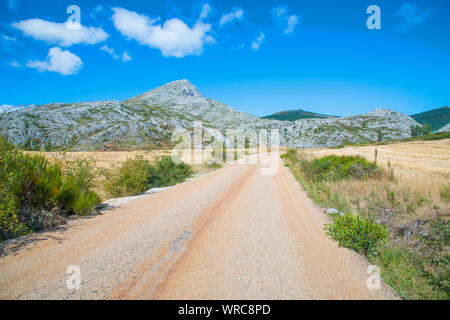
[[63, 62], [205, 11], [5, 37], [174, 38], [292, 22], [258, 41], [126, 57], [10, 45], [289, 21], [279, 11], [236, 14], [59, 33], [411, 16], [111, 51], [13, 5], [15, 64]]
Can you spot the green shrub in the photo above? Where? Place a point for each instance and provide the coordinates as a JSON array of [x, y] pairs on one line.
[[136, 176], [214, 165], [437, 136], [131, 178], [77, 184], [445, 193], [85, 202], [418, 131], [164, 172], [10, 225], [391, 197], [357, 233], [291, 155], [38, 183], [379, 135], [33, 191], [409, 274], [332, 168]]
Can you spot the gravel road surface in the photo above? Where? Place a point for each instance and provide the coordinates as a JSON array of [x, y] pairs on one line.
[[231, 234]]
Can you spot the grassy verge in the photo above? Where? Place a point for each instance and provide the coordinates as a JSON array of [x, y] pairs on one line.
[[405, 233], [37, 193], [134, 176]]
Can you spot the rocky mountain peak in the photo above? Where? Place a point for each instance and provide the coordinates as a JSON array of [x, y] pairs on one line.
[[186, 87], [176, 92], [382, 112], [150, 119], [179, 88], [7, 108]]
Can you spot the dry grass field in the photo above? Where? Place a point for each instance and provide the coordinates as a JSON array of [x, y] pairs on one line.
[[410, 198], [107, 160], [421, 166], [102, 159]]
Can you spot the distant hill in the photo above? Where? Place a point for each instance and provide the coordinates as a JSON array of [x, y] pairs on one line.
[[149, 120], [438, 118], [294, 115]]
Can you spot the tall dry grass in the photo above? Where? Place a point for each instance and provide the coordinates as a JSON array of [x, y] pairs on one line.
[[411, 198], [421, 167]]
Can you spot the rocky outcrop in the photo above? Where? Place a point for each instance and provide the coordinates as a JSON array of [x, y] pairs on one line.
[[149, 120], [445, 128]]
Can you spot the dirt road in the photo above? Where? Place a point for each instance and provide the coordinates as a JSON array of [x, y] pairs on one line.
[[231, 234]]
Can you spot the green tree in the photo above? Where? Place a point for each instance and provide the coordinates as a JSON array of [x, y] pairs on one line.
[[427, 128], [380, 135]]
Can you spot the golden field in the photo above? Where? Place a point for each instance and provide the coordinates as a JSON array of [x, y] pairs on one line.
[[107, 160], [102, 159], [412, 202], [421, 166]]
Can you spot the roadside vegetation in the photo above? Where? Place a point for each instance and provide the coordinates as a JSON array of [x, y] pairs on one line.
[[135, 176], [402, 230], [37, 193]]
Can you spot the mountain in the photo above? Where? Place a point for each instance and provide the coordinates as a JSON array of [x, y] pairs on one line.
[[330, 132], [144, 121], [293, 115], [438, 118], [445, 128], [7, 108], [148, 121]]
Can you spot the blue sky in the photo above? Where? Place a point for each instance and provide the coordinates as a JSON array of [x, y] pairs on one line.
[[256, 56]]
